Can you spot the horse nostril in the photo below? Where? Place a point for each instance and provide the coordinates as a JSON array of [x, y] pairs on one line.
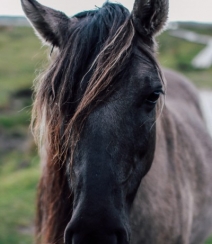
[[92, 239], [95, 238]]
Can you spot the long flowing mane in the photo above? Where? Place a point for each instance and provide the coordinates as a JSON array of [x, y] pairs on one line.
[[78, 79], [98, 46]]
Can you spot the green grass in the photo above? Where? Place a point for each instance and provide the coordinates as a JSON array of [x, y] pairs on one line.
[[21, 56], [17, 191], [14, 119], [209, 241]]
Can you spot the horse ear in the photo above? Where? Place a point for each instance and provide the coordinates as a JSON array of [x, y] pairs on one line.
[[51, 25], [150, 16]]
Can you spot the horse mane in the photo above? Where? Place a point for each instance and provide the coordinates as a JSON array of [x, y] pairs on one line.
[[95, 51]]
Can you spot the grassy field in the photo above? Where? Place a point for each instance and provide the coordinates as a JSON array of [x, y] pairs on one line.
[[19, 170], [21, 59]]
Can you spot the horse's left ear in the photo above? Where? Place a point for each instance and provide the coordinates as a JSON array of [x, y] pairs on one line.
[[150, 16], [51, 25]]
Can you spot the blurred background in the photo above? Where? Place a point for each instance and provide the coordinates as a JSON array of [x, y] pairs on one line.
[[185, 46]]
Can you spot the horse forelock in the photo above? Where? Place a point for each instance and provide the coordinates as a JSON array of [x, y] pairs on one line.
[[80, 74], [95, 52]]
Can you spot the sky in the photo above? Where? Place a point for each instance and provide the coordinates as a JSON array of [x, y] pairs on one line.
[[180, 10]]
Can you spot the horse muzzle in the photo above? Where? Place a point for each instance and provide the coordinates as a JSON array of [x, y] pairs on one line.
[[84, 230]]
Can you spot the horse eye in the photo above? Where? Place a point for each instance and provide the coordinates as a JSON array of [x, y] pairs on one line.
[[153, 97]]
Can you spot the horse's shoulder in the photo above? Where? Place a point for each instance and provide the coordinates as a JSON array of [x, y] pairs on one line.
[[182, 127]]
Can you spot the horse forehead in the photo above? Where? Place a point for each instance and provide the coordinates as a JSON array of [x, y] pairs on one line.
[[143, 72]]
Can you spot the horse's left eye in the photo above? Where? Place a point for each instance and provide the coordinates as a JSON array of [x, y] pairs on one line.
[[153, 97]]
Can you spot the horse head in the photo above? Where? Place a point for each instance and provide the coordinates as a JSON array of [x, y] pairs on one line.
[[99, 102]]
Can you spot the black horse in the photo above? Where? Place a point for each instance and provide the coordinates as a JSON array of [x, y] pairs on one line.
[[119, 166]]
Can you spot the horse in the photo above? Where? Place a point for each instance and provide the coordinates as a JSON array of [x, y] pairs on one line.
[[125, 154]]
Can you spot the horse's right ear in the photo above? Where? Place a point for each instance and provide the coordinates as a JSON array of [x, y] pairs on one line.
[[150, 16], [51, 25]]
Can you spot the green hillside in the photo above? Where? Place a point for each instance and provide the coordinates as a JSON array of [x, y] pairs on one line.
[[22, 57], [177, 54]]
